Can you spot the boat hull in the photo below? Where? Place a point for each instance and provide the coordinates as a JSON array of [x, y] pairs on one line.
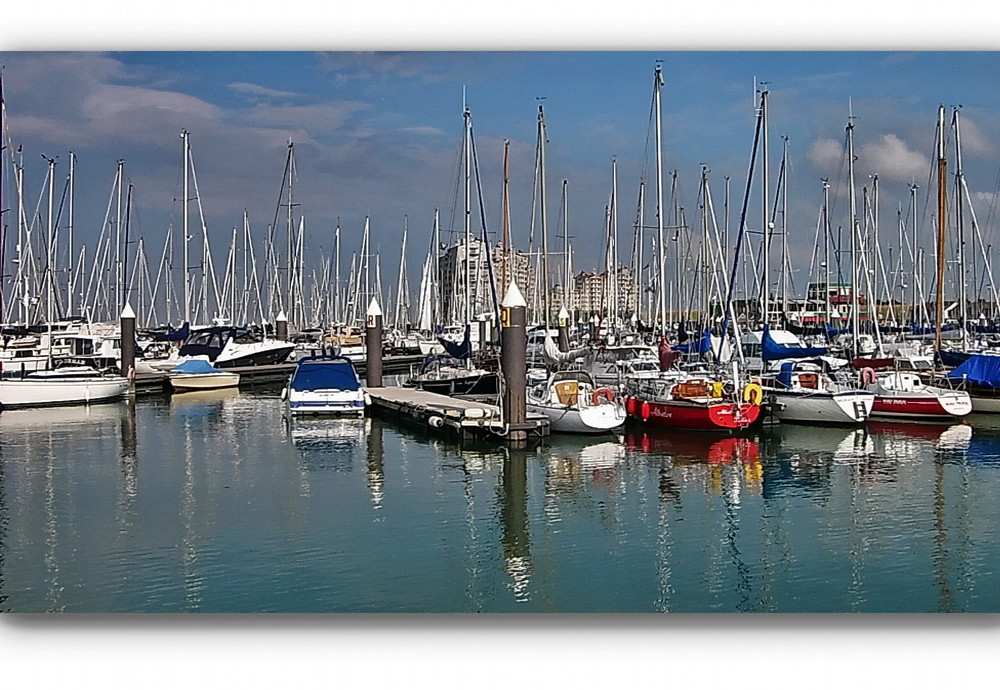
[[595, 419], [477, 384], [695, 416], [944, 407], [30, 392], [822, 407], [204, 382]]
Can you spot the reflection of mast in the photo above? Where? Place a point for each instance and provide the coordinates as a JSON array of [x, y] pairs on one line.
[[946, 600], [375, 476], [669, 493], [51, 532], [514, 517]]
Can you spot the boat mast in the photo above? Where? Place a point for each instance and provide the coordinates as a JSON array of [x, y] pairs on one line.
[[69, 254], [567, 261], [960, 223], [767, 226], [546, 297], [505, 233], [467, 114], [661, 279], [941, 231], [854, 234], [826, 250], [184, 239]]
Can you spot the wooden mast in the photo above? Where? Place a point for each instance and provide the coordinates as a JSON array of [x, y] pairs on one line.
[[942, 219]]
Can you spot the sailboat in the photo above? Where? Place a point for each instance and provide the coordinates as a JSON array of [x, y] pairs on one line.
[[574, 404]]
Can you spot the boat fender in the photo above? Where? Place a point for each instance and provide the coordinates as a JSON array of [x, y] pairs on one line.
[[436, 422], [753, 393], [644, 411], [630, 405], [717, 389], [867, 376], [284, 393], [605, 393]]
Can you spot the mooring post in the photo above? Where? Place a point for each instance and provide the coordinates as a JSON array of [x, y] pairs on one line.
[[373, 346], [513, 358], [128, 344], [563, 330], [281, 327]]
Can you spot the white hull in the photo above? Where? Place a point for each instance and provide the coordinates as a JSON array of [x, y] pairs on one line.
[[595, 419], [327, 402], [822, 407], [30, 392], [204, 382]]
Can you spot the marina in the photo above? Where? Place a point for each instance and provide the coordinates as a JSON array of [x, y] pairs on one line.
[[339, 350]]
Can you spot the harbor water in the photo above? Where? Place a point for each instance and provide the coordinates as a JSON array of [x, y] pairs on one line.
[[214, 502]]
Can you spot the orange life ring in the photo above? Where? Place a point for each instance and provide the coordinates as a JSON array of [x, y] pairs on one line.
[[605, 393], [867, 376]]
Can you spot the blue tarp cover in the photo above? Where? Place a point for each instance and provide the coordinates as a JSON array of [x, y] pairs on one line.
[[771, 350], [310, 376], [785, 375], [981, 369], [195, 366], [181, 333]]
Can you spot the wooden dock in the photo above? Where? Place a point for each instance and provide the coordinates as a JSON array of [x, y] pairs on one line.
[[467, 419]]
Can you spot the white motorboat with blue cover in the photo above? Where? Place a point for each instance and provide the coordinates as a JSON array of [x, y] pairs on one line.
[[325, 384]]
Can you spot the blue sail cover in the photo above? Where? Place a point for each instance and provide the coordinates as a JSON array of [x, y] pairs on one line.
[[195, 366], [981, 369], [770, 350], [701, 347], [461, 350], [785, 375], [325, 374], [181, 333]]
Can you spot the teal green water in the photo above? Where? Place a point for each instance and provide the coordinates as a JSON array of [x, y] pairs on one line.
[[210, 502]]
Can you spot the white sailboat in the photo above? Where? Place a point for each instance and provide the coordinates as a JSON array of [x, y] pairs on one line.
[[575, 405]]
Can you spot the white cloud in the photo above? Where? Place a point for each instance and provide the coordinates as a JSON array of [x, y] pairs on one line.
[[974, 141], [826, 155], [262, 91], [890, 157]]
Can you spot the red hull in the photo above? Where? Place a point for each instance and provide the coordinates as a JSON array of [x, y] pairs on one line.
[[685, 414], [915, 407]]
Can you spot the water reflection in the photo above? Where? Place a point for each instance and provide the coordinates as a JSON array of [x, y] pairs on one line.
[[516, 541], [329, 443]]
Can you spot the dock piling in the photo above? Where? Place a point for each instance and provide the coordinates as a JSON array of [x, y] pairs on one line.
[[563, 330], [281, 327], [513, 358], [373, 346], [128, 344]]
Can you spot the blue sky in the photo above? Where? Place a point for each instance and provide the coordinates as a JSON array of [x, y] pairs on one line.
[[379, 133]]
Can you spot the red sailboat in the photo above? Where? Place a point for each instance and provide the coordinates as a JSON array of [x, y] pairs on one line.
[[694, 405]]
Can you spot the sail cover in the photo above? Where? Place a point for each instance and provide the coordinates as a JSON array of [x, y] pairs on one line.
[[981, 369], [703, 345], [461, 350], [771, 350], [181, 333]]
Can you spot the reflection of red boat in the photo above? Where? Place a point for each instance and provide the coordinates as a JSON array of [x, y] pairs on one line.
[[699, 449], [694, 405], [927, 432]]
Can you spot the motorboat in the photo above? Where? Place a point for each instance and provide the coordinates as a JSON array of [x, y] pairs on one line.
[[228, 347], [903, 395], [200, 375], [62, 386], [803, 392], [574, 404], [325, 384]]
